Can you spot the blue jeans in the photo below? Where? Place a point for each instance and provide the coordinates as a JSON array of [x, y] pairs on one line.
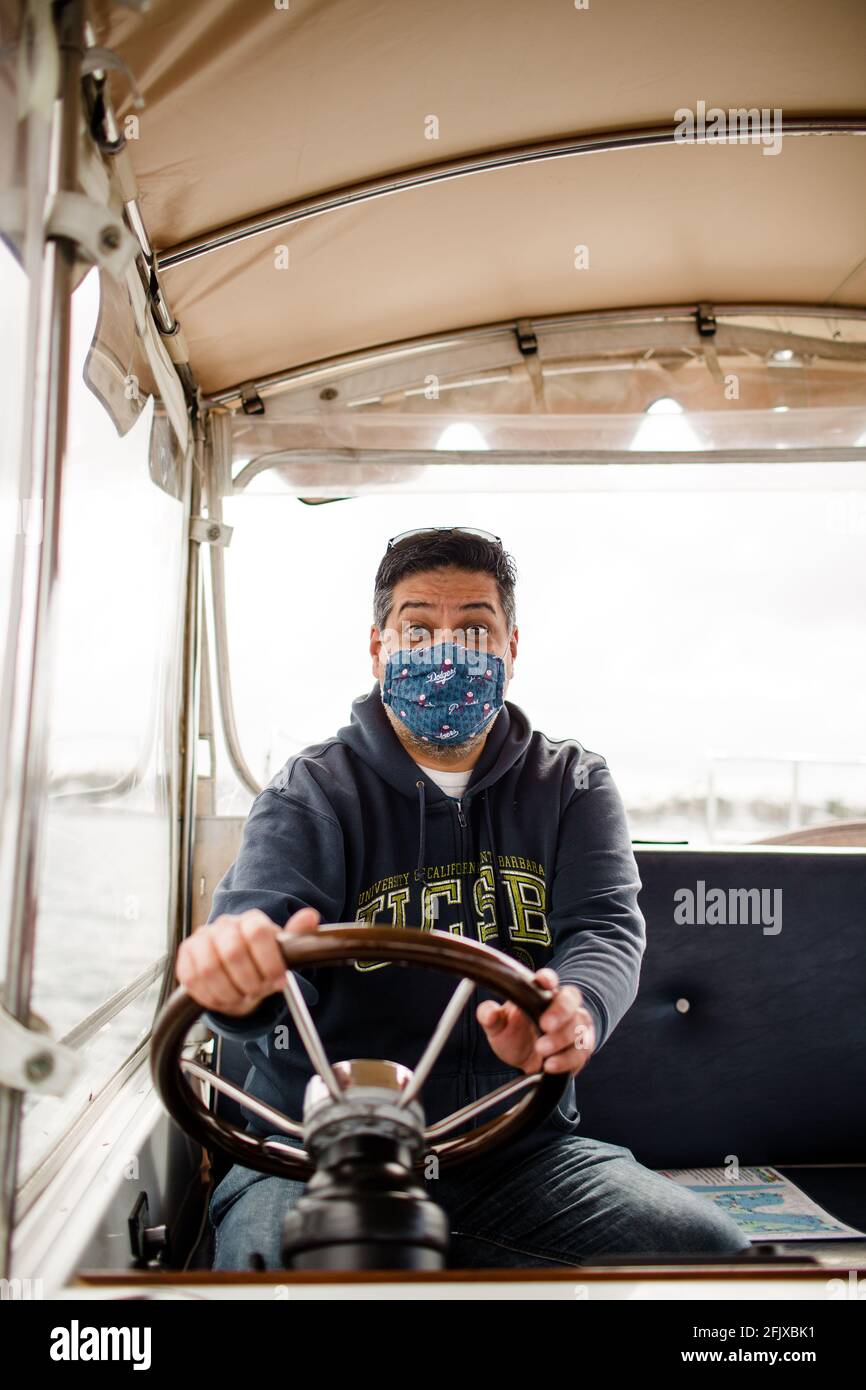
[[574, 1197]]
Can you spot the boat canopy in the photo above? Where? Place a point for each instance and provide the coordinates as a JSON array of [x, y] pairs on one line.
[[324, 177]]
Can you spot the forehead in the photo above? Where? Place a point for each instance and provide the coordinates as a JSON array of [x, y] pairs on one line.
[[445, 588]]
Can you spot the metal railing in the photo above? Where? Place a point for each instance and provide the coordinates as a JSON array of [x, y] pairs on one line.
[[794, 761]]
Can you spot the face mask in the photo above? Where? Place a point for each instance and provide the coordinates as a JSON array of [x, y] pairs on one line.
[[444, 693]]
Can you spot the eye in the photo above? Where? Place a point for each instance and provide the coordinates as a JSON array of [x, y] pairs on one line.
[[478, 627], [417, 632]]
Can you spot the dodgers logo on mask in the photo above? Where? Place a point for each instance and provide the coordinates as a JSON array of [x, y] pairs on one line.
[[446, 692]]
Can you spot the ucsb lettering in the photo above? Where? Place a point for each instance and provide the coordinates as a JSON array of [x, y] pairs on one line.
[[439, 902]]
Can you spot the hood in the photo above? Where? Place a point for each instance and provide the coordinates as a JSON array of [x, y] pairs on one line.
[[371, 737]]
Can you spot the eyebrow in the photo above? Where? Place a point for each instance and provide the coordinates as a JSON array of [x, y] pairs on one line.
[[464, 607]]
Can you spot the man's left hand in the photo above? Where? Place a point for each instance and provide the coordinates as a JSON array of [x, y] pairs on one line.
[[568, 1036]]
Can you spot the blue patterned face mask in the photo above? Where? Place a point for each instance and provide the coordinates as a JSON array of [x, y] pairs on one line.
[[444, 693]]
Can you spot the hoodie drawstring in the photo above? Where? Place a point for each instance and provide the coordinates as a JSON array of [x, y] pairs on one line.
[[421, 870]]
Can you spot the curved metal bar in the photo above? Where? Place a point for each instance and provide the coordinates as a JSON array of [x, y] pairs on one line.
[[116, 1002], [422, 176], [216, 600], [217, 620], [477, 1107], [183, 836], [325, 368], [567, 458]]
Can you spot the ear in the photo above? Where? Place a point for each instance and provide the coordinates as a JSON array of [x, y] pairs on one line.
[[375, 651]]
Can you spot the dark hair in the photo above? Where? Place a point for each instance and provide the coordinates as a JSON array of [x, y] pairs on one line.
[[434, 550]]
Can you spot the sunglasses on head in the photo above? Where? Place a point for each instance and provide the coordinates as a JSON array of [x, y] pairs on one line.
[[461, 530]]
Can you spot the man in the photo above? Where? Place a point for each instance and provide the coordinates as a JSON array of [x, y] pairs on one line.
[[439, 806]]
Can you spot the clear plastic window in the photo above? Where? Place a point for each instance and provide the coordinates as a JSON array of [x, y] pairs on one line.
[[104, 892]]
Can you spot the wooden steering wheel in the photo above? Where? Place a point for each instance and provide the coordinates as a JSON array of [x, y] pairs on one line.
[[472, 961]]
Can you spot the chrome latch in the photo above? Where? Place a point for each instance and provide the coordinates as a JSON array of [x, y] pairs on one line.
[[32, 1060], [208, 531], [706, 320], [100, 235]]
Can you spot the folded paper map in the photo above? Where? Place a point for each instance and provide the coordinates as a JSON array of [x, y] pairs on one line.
[[764, 1204]]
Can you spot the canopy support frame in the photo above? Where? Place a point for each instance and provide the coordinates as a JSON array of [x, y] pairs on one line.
[[323, 369], [443, 171]]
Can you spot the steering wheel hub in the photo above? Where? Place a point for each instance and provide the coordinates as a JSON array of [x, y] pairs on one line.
[[371, 1088]]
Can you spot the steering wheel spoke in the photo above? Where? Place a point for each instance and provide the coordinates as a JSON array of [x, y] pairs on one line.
[[309, 1035], [456, 1004], [477, 1107], [228, 1088]]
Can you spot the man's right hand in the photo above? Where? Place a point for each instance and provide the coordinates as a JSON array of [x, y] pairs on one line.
[[231, 964]]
